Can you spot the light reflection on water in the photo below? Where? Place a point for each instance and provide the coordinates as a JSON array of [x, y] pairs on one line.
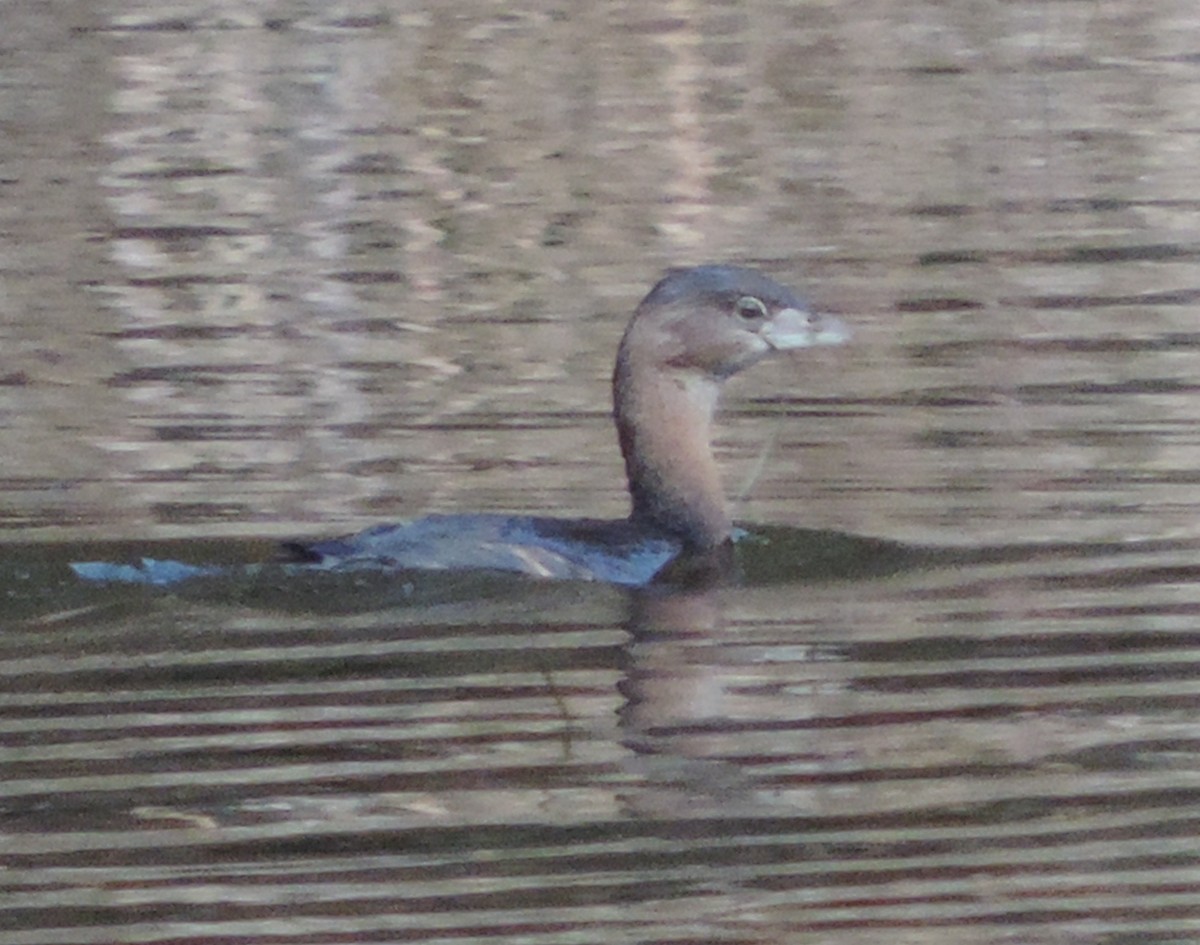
[[296, 276]]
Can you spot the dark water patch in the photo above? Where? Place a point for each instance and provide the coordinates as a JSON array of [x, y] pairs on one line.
[[201, 374], [925, 305], [366, 277], [1168, 341], [951, 210], [180, 173], [950, 258], [1064, 301], [200, 432], [185, 280], [1025, 205], [177, 233], [938, 70], [1050, 677], [1069, 256], [185, 332], [368, 326]]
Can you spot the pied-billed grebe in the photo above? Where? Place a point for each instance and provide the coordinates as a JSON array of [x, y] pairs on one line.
[[695, 329]]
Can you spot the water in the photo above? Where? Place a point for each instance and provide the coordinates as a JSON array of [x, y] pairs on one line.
[[291, 271]]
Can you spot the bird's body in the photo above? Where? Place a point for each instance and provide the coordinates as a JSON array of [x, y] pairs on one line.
[[616, 552]]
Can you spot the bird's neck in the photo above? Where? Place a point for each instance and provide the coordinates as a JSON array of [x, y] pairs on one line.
[[664, 420]]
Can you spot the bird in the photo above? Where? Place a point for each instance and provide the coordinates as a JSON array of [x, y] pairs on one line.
[[695, 329]]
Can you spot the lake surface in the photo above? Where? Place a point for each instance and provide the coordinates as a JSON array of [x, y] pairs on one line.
[[290, 269]]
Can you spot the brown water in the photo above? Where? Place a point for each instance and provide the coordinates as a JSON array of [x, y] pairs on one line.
[[288, 268]]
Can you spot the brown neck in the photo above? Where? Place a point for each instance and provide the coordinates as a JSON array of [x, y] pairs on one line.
[[664, 421]]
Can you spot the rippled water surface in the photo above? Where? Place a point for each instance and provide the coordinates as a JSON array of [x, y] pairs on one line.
[[291, 269]]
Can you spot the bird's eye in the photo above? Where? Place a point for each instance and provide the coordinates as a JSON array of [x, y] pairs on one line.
[[749, 309]]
